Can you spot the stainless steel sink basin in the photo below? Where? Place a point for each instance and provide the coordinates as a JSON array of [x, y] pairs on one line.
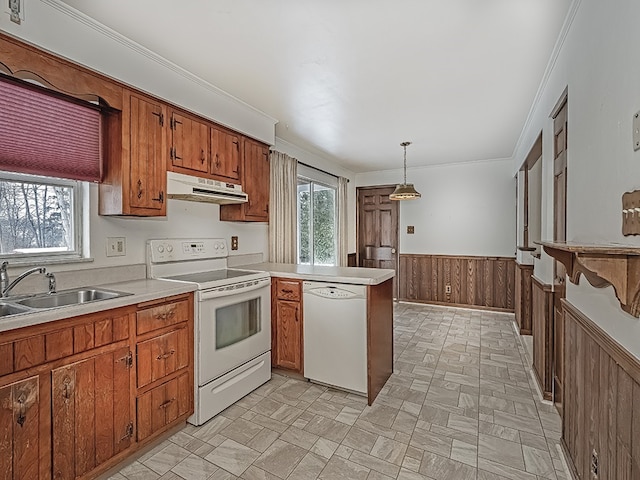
[[11, 309], [69, 297]]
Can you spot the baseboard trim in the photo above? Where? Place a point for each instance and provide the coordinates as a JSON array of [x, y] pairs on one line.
[[457, 305]]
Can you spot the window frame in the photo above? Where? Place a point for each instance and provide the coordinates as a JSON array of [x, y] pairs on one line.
[[312, 182], [78, 217]]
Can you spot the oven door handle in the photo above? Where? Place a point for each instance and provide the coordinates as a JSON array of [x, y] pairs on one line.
[[217, 292]]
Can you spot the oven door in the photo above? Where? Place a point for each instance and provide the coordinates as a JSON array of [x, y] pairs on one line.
[[232, 329]]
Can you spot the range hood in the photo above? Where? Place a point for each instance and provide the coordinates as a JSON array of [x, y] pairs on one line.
[[198, 189]]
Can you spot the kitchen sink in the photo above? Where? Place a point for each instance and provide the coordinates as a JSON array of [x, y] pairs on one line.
[[69, 297], [11, 309]]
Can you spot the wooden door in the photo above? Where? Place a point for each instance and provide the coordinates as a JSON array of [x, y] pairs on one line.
[[377, 235], [225, 154], [20, 430], [559, 235], [147, 150], [289, 335], [190, 143], [256, 180], [92, 418]]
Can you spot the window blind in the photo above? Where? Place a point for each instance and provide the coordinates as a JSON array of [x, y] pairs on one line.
[[45, 134]]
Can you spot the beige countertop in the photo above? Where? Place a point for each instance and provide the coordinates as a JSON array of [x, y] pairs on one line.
[[141, 291], [318, 273]]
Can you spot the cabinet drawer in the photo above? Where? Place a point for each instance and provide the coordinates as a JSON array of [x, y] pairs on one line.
[[162, 316], [288, 289], [162, 405], [163, 355]]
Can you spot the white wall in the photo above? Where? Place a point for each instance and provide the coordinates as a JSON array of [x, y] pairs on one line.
[[465, 209], [599, 64]]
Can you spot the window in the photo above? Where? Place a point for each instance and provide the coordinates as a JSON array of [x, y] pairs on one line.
[[317, 223], [39, 216]]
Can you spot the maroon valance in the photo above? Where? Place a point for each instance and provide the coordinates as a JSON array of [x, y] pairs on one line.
[[46, 134]]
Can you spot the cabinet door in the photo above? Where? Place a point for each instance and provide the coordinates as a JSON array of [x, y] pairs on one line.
[[256, 180], [163, 355], [92, 418], [163, 405], [147, 151], [190, 143], [289, 335], [225, 154], [20, 430]]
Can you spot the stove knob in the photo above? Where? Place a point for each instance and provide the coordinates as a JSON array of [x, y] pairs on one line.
[[169, 248], [160, 248], [217, 246]]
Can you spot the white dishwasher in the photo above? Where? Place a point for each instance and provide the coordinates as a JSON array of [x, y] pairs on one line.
[[335, 334]]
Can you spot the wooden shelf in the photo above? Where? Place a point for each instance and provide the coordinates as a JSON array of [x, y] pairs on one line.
[[603, 265]]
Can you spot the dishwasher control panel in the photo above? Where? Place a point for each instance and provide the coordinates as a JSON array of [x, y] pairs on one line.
[[335, 291]]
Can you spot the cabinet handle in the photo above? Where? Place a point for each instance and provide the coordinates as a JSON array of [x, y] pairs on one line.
[[167, 403], [202, 155], [22, 412], [160, 118], [164, 356], [217, 161], [160, 197], [66, 393], [286, 290], [171, 313], [139, 188]]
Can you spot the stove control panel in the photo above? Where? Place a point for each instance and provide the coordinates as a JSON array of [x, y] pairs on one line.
[[175, 250]]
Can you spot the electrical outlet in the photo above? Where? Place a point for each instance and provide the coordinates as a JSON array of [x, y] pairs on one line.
[[447, 289], [116, 246], [411, 229], [234, 242]]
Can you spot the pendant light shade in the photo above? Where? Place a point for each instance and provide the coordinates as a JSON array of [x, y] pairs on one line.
[[405, 191]]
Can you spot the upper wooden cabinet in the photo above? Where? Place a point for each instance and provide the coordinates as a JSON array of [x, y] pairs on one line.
[[255, 183], [135, 177], [225, 154], [189, 151]]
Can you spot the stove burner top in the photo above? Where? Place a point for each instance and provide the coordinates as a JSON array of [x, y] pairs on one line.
[[211, 276]]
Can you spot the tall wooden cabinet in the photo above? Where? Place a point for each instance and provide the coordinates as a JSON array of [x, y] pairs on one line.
[[135, 172], [286, 324], [255, 181]]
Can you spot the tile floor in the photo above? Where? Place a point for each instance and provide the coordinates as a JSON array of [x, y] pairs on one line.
[[460, 405]]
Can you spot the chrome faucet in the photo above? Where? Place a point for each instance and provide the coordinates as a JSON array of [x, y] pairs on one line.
[[6, 286]]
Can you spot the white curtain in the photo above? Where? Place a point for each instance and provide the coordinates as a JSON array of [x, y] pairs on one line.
[[283, 214], [343, 245]]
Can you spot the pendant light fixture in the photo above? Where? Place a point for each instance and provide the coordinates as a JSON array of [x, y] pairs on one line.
[[405, 191]]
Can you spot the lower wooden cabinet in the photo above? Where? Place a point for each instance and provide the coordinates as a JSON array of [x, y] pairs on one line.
[[79, 395], [286, 324], [20, 430], [91, 410]]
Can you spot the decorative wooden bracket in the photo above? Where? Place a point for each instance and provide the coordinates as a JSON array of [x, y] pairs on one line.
[[603, 265]]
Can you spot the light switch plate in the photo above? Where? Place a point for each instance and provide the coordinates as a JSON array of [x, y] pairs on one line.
[[636, 131], [15, 11], [116, 246]]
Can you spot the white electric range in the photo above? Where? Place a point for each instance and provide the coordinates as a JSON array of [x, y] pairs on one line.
[[232, 320]]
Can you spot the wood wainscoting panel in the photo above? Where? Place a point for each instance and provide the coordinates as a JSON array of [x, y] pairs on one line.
[[542, 330], [487, 282], [523, 301], [601, 401]]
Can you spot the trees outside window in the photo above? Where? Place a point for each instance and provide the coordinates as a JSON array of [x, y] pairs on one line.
[[37, 216], [317, 223]]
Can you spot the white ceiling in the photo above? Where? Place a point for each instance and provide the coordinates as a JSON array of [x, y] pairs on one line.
[[351, 79]]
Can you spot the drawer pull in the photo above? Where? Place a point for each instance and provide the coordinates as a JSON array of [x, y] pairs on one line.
[[171, 313], [167, 403], [160, 316], [164, 356], [286, 290], [22, 413]]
